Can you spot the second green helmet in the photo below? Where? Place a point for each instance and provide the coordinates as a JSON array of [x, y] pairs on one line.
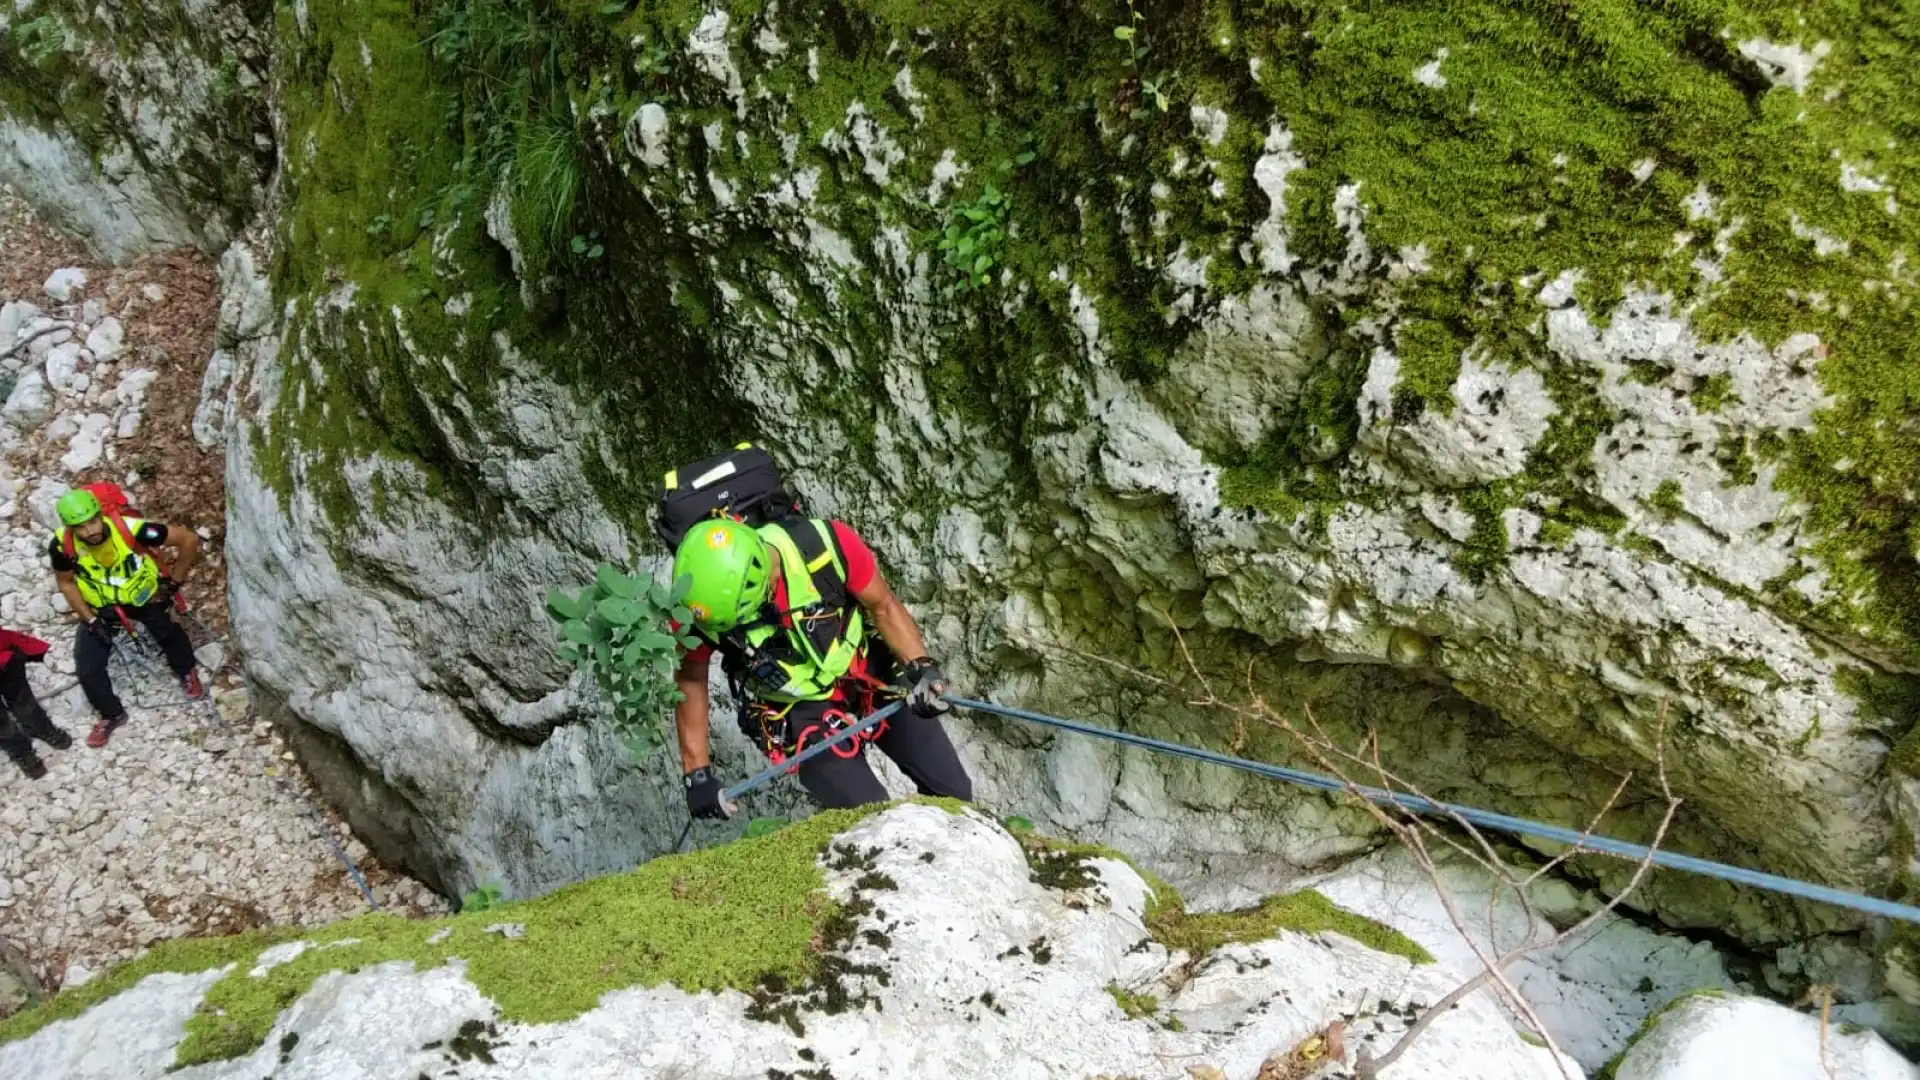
[[77, 507], [731, 570]]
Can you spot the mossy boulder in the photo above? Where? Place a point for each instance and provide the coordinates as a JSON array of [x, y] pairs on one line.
[[1524, 385], [812, 950]]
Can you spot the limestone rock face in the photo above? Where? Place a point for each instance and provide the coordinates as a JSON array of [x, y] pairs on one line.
[[1710, 1035], [137, 127], [962, 967], [1423, 385]]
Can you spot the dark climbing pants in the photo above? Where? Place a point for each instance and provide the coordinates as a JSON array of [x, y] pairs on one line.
[[23, 720], [90, 653], [915, 743]]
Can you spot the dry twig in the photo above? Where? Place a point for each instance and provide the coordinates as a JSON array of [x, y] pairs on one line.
[[1417, 832]]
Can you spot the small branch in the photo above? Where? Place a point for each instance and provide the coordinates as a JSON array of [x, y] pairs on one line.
[[55, 328]]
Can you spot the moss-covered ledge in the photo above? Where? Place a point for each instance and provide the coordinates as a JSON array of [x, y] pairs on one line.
[[723, 918], [1062, 864]]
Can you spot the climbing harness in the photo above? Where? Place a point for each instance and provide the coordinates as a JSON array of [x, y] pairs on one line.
[[786, 765], [1602, 845]]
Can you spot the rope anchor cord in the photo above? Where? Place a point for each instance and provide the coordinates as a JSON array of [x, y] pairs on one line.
[[1488, 819]]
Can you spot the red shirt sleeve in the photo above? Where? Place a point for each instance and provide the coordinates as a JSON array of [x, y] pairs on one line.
[[700, 654], [861, 565]]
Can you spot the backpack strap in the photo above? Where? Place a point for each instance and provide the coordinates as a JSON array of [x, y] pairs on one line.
[[70, 547], [825, 561]]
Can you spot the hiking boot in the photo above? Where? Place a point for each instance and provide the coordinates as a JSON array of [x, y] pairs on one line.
[[190, 682], [31, 764], [103, 730], [54, 736]]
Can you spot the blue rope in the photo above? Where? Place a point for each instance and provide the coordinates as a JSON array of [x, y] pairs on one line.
[[1486, 818], [767, 775]]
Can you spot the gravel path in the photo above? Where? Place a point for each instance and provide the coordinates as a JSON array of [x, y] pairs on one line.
[[194, 819]]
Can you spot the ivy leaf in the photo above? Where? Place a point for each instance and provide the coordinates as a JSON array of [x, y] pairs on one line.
[[596, 251], [616, 583], [579, 245], [563, 606], [1024, 157], [982, 264], [578, 632], [621, 612], [1124, 33]]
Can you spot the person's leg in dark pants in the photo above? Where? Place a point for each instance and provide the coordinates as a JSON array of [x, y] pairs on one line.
[[90, 654], [835, 782], [16, 694], [157, 620], [15, 744], [919, 745]]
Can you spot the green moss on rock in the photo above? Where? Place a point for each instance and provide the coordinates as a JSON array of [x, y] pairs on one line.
[[1061, 864], [720, 918]]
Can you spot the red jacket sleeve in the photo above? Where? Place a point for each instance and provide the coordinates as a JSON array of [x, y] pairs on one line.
[[30, 647], [861, 565]]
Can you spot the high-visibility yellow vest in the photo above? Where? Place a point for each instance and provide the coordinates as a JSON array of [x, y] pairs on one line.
[[825, 639], [113, 571]]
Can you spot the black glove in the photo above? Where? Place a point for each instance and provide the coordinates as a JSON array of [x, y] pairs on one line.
[[925, 683], [703, 794], [97, 626], [166, 592]]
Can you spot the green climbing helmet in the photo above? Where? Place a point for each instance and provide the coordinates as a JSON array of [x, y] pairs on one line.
[[732, 572], [77, 507]]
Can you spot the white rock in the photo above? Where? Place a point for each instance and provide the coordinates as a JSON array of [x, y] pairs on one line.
[[107, 340], [43, 334], [1592, 992], [65, 284], [14, 317], [1719, 1038], [62, 364], [960, 926], [88, 444], [29, 405]]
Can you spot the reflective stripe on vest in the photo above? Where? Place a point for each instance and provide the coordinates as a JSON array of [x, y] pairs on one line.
[[810, 674], [112, 572]]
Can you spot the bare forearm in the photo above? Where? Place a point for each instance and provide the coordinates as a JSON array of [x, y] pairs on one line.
[[188, 547], [690, 719], [81, 609], [898, 629]]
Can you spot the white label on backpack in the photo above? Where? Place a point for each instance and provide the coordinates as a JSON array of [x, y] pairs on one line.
[[718, 472]]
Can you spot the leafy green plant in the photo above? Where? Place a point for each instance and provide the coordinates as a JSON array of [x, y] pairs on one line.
[[1156, 89], [41, 39], [976, 235], [588, 247], [621, 631], [378, 225], [1129, 35], [482, 898]]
